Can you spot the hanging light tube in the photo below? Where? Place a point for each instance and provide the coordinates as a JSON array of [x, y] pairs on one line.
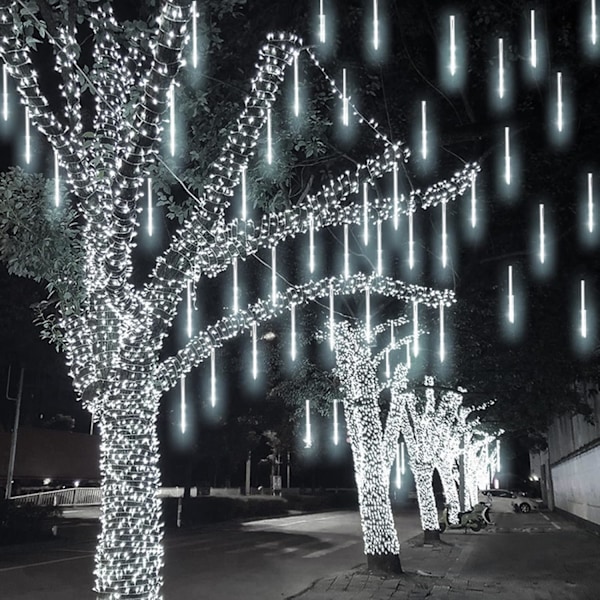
[[293, 332], [583, 311], [387, 364], [507, 173], [533, 42], [444, 237], [274, 275], [189, 308], [452, 46], [243, 172], [236, 302], [542, 236], [398, 468], [559, 102], [408, 354], [331, 319], [345, 116], [56, 180], [172, 118], [194, 35], [150, 220], [311, 243], [213, 379], [269, 138], [411, 240], [336, 433], [442, 334], [498, 462], [368, 314], [182, 416], [501, 68], [346, 252], [254, 353], [379, 250], [473, 200], [511, 296], [4, 92], [402, 458], [590, 203], [27, 137], [593, 23], [375, 25], [296, 87], [321, 23], [396, 199], [424, 129], [415, 344], [366, 213], [308, 438]]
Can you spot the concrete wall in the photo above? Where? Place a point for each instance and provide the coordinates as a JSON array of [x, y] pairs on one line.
[[576, 484]]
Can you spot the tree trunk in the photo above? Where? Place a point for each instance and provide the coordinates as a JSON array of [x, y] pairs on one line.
[[129, 554], [450, 491], [423, 473], [377, 520]]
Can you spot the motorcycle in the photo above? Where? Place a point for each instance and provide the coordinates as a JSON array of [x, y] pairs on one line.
[[469, 519], [482, 510]]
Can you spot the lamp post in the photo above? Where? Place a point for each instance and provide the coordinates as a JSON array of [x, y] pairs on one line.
[[15, 433]]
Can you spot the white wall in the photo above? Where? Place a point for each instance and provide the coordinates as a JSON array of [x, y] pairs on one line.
[[576, 483]]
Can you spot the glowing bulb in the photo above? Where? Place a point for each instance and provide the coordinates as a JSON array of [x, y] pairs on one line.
[[150, 223], [368, 315], [411, 240], [379, 250], [533, 42], [56, 180], [311, 243], [345, 116], [274, 275], [254, 353], [331, 319], [346, 252], [444, 237], [366, 214], [243, 171], [27, 137], [559, 102], [511, 296], [293, 332], [424, 129], [583, 311], [189, 307], [336, 433], [442, 334], [194, 35], [375, 25], [507, 173], [500, 68], [213, 379], [182, 423], [296, 87], [415, 344], [269, 138], [172, 118], [396, 198], [321, 23], [542, 236], [4, 92], [452, 46], [236, 304], [590, 204], [308, 438], [473, 201]]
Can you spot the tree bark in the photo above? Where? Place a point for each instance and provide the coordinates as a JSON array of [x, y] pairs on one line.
[[129, 554]]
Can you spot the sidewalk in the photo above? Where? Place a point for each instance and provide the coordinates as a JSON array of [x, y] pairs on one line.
[[524, 557]]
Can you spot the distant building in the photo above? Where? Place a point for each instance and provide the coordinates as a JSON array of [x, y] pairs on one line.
[[56, 457], [569, 470]]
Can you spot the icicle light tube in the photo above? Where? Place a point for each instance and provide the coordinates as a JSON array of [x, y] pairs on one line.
[[149, 207], [501, 89], [559, 102], [511, 296], [452, 65], [590, 203], [583, 311], [532, 41]]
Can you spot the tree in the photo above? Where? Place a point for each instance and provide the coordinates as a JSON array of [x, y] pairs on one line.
[[110, 325]]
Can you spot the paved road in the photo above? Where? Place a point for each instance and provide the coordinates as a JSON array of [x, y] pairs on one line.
[[268, 559]]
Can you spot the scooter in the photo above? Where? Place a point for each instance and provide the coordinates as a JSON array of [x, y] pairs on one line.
[[482, 510], [466, 520]]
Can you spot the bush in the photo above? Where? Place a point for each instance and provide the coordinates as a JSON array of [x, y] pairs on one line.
[[26, 522]]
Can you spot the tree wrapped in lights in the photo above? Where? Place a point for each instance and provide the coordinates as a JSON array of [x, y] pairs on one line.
[[478, 459], [428, 422], [112, 330]]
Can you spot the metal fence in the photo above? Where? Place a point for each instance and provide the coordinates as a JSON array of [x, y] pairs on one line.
[[76, 496]]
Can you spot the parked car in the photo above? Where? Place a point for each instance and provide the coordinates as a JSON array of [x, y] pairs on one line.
[[507, 501]]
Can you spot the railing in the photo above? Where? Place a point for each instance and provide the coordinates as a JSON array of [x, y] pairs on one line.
[[76, 496]]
